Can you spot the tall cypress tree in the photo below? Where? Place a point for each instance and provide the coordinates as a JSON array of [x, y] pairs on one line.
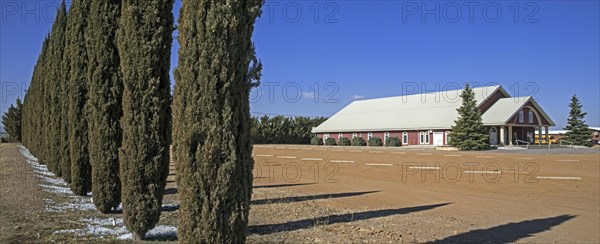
[[39, 101], [65, 96], [468, 132], [144, 41], [57, 42], [104, 103], [30, 105], [76, 55], [578, 131], [212, 119]]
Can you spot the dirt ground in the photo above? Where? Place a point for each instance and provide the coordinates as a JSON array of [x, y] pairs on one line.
[[507, 198], [372, 195]]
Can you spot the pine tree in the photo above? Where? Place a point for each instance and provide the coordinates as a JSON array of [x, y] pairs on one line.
[[468, 132], [76, 56], [12, 120], [213, 144], [144, 41], [578, 131], [104, 103]]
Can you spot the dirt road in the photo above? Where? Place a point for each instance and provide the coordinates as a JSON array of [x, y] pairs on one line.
[[22, 218]]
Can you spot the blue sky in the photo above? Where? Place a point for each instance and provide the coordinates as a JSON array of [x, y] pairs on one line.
[[319, 56]]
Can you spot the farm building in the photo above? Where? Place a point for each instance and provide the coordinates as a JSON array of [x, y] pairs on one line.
[[427, 119]]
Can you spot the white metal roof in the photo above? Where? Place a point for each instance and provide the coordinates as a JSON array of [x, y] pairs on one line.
[[436, 110], [503, 110]]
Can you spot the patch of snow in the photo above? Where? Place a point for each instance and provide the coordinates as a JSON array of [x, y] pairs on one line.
[[76, 203], [43, 173], [97, 227], [94, 230], [103, 222], [159, 232], [56, 189], [54, 181]]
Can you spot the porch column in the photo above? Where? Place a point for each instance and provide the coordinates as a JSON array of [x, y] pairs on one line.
[[502, 135], [510, 139], [540, 135], [547, 137]]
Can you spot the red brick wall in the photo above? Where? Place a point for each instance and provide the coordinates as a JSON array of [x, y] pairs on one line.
[[413, 136], [491, 100]]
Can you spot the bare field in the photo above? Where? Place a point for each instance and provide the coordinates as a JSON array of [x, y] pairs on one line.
[[429, 195], [349, 194]]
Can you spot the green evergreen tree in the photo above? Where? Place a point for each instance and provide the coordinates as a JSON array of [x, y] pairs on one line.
[[468, 132], [213, 143], [65, 159], [144, 41], [104, 103], [45, 107], [13, 120], [38, 111], [54, 80], [578, 131], [76, 56]]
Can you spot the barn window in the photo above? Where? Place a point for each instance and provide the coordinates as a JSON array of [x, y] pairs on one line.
[[340, 135], [369, 136], [405, 138], [354, 135], [447, 137], [521, 116], [386, 135], [530, 117], [426, 137]]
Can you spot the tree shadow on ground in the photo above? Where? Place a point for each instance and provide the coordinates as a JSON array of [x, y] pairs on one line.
[[171, 191], [508, 233], [308, 198], [282, 185], [334, 219]]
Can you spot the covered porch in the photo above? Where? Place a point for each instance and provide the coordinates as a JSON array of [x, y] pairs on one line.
[[516, 121], [509, 135]]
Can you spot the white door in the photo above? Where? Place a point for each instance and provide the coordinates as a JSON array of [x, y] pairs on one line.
[[493, 136], [438, 138]]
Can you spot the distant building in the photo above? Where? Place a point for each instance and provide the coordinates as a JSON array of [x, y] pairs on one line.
[[427, 119], [560, 134]]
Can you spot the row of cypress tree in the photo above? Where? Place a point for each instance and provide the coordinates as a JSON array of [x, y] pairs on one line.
[[97, 111]]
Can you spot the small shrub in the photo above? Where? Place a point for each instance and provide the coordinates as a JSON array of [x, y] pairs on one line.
[[330, 142], [344, 141], [358, 141], [375, 142], [316, 141], [392, 142]]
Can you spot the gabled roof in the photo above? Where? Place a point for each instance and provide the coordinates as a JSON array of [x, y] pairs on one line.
[[506, 108], [436, 110]]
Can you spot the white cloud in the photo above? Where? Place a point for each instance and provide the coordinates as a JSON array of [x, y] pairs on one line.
[[358, 97]]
